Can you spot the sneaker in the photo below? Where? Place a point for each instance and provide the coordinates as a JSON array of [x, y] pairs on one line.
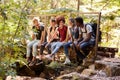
[[48, 57], [67, 61]]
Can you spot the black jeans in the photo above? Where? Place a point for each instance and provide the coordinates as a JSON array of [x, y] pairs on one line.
[[42, 47]]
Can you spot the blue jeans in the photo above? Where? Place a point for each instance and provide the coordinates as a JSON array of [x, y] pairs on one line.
[[85, 45], [55, 46], [66, 45], [33, 44]]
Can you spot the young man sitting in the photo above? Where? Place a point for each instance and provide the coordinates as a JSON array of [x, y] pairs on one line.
[[87, 38]]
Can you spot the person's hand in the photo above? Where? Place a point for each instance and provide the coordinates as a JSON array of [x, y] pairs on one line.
[[75, 42], [60, 39], [77, 46]]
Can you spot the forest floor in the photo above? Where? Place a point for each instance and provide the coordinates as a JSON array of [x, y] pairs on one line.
[[103, 69]]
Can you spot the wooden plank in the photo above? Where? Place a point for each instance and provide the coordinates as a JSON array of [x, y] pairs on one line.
[[43, 15]]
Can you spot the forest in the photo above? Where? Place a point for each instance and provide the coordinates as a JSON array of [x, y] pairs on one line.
[[16, 26]]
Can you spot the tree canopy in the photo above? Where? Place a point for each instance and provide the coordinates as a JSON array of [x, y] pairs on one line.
[[14, 24]]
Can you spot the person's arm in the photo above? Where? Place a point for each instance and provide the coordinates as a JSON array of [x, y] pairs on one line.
[[48, 34], [66, 29], [56, 34], [88, 36], [33, 36], [67, 35], [53, 36], [80, 35], [42, 35]]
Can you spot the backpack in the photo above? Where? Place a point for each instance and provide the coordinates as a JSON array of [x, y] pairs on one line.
[[94, 28]]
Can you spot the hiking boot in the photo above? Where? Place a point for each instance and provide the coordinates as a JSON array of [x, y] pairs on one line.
[[67, 61], [79, 61], [32, 63]]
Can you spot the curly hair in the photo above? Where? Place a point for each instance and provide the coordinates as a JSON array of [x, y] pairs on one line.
[[60, 18], [79, 20]]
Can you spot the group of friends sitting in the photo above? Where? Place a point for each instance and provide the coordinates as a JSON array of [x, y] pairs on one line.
[[58, 35]]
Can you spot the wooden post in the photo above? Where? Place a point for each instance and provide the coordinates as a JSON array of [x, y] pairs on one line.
[[78, 7], [91, 3], [97, 33]]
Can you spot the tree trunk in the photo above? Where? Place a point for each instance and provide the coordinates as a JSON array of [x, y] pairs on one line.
[[78, 8], [91, 3]]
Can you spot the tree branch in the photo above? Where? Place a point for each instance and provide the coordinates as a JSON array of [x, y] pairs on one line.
[[105, 5], [20, 18]]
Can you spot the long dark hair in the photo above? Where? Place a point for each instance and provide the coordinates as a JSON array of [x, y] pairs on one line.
[[72, 20]]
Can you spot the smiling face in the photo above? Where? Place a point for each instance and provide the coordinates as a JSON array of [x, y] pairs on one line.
[[35, 22], [52, 23], [61, 23]]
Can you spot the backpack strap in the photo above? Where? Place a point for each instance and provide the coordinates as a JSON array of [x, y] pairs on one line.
[[93, 34], [85, 28], [52, 28]]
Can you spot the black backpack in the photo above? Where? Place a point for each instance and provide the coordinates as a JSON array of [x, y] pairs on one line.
[[94, 28]]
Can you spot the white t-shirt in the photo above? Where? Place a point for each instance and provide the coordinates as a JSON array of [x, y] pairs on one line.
[[86, 30]]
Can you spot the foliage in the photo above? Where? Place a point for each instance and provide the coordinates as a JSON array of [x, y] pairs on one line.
[[14, 24]]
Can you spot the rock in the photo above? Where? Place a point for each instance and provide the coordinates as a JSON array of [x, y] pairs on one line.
[[47, 73], [87, 62], [106, 78], [25, 70], [92, 67], [72, 76], [80, 69], [110, 65], [100, 73], [42, 75], [87, 72], [23, 78]]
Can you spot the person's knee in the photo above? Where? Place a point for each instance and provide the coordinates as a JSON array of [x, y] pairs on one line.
[[29, 45], [59, 45], [35, 45], [83, 45], [65, 45]]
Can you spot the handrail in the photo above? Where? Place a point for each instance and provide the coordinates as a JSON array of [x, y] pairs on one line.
[[42, 15]]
